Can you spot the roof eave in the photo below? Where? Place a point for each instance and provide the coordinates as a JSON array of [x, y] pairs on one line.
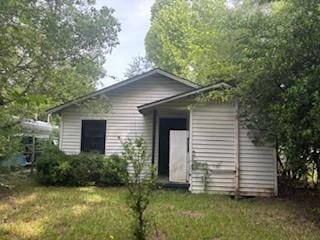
[[147, 106]]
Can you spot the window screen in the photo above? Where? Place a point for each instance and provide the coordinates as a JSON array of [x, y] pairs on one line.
[[93, 136]]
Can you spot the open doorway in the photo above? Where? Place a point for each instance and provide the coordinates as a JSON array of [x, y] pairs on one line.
[[165, 125]]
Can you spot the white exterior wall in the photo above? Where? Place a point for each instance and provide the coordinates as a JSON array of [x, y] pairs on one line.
[[258, 172], [123, 120], [213, 144]]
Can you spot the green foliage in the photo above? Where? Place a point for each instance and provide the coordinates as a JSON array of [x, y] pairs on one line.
[[193, 39], [167, 35], [113, 171], [56, 168], [85, 169], [216, 95], [138, 66], [51, 52], [52, 167], [140, 183]]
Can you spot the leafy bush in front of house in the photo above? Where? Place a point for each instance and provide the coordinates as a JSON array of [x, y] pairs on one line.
[[85, 168], [54, 167], [114, 171]]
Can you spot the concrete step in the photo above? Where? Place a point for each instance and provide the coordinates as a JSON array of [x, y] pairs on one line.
[[174, 185]]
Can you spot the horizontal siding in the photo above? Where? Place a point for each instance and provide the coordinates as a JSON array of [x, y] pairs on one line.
[[257, 167], [218, 182], [123, 120], [213, 143]]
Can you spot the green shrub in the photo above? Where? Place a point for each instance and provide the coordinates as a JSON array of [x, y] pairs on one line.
[[86, 168], [113, 171], [139, 183], [52, 166], [56, 168]]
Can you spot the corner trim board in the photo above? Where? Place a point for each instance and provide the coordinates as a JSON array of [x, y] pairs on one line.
[[275, 172], [237, 152], [190, 150], [154, 119]]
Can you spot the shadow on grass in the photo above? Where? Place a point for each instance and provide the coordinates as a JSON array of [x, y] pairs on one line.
[[64, 213]]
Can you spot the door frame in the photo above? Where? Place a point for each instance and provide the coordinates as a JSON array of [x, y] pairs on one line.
[[174, 117]]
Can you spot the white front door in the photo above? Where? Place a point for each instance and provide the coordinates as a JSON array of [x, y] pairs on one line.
[[178, 156]]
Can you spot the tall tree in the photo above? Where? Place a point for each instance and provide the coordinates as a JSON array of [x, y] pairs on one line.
[[193, 39], [139, 65], [168, 34], [50, 52]]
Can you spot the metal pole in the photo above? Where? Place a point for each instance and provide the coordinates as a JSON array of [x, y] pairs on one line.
[[33, 153]]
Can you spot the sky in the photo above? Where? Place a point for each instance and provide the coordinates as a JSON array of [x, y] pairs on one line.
[[134, 17]]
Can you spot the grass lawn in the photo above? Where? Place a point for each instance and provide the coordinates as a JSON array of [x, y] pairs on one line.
[[36, 212]]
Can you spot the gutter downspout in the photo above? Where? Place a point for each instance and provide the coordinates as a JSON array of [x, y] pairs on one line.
[[237, 153]]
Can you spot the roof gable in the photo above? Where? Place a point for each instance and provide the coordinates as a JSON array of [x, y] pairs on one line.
[[145, 75]]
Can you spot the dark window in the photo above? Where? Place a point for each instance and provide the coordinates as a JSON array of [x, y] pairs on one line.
[[93, 136]]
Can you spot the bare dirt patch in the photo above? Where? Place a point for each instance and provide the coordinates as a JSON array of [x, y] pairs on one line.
[[305, 201]]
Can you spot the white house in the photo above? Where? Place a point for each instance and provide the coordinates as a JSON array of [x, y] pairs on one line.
[[203, 146]]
